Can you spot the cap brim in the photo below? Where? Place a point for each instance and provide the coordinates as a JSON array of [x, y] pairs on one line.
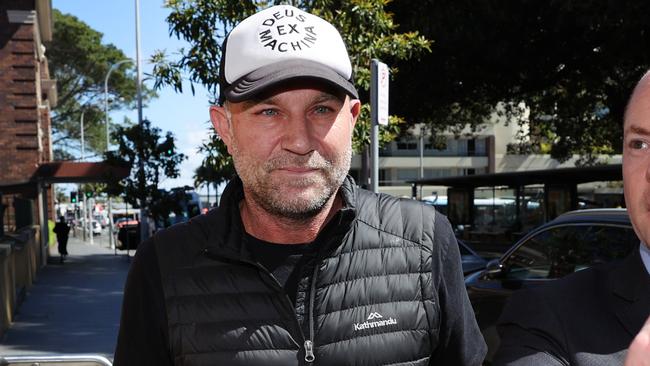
[[269, 76]]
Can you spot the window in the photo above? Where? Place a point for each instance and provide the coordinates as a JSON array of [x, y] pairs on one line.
[[562, 250], [407, 174], [407, 145]]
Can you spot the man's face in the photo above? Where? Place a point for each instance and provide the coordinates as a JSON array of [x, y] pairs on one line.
[[636, 160], [291, 147]]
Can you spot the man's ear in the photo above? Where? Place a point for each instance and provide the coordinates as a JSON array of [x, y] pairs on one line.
[[221, 124], [355, 110]]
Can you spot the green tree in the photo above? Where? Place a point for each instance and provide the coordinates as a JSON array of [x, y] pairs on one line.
[[573, 64], [367, 28], [79, 61], [217, 166], [160, 161], [91, 189]]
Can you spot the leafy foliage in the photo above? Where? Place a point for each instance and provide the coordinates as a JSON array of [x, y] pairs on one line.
[[367, 28], [160, 161], [573, 64], [79, 61], [217, 166]]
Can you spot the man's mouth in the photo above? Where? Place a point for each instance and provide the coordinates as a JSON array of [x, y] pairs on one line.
[[298, 170]]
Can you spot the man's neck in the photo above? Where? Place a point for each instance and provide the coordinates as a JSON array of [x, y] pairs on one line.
[[265, 226]]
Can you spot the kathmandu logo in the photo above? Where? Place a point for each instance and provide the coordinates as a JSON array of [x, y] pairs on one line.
[[374, 323]]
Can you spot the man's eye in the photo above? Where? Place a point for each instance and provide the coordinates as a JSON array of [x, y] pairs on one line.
[[638, 144], [269, 112], [322, 109]]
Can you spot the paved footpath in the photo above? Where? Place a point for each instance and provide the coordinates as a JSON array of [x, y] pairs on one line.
[[72, 308]]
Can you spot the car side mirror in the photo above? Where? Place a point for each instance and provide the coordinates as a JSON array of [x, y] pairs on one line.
[[494, 268]]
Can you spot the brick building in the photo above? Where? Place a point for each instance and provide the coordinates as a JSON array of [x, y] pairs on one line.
[[27, 94]]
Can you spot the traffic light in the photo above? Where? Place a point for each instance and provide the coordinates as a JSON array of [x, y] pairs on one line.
[[167, 147], [89, 194], [73, 197]]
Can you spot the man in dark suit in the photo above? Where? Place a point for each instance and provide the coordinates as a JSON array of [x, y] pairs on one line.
[[591, 317]]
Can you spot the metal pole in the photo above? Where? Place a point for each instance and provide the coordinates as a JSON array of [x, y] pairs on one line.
[[143, 222], [83, 158], [422, 152], [421, 157], [91, 202], [374, 135], [111, 239]]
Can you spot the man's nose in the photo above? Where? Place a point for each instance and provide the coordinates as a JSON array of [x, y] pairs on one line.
[[298, 136]]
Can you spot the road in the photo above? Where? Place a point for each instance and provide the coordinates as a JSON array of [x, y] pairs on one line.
[[72, 308]]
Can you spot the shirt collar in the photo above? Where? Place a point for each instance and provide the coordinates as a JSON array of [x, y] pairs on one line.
[[645, 256]]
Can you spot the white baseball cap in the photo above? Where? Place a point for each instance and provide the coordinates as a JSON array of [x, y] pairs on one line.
[[282, 43]]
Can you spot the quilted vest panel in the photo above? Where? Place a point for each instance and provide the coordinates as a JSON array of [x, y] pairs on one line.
[[375, 302]]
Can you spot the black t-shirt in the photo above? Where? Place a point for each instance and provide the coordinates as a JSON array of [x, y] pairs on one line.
[[284, 261]]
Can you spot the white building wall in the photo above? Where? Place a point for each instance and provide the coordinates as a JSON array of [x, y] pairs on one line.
[[454, 159]]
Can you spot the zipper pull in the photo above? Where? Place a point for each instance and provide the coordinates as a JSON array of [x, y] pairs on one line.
[[309, 351]]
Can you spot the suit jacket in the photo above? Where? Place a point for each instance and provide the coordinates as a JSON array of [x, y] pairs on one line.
[[587, 318]]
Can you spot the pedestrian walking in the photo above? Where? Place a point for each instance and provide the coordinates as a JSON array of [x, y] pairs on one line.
[[62, 231], [297, 265]]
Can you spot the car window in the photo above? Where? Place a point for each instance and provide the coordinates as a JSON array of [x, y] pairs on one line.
[[559, 251]]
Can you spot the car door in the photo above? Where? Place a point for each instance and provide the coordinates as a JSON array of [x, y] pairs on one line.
[[544, 256]]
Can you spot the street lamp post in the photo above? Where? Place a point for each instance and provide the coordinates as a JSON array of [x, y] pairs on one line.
[[110, 201], [141, 175], [83, 158]]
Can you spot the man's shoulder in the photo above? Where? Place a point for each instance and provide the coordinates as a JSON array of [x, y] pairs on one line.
[[406, 218], [576, 284], [576, 293], [385, 204], [186, 238]]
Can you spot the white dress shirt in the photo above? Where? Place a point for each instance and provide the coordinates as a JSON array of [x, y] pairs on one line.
[[645, 256]]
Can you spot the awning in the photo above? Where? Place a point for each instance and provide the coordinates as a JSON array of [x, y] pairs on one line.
[[74, 172], [600, 173]]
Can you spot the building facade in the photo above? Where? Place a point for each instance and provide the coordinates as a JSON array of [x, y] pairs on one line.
[[413, 157], [27, 95]]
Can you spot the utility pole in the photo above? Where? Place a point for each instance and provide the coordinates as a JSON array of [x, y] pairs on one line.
[[111, 238], [141, 175], [83, 158]]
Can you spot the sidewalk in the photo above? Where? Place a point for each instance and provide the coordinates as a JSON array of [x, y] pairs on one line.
[[74, 307]]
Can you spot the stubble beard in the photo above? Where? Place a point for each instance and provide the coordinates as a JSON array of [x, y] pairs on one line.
[[295, 199]]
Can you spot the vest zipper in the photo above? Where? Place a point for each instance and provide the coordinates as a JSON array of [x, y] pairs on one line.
[[308, 344]]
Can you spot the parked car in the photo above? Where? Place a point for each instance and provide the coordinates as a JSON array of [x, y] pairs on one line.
[[471, 262], [94, 228], [571, 242], [128, 237], [102, 219], [119, 223]]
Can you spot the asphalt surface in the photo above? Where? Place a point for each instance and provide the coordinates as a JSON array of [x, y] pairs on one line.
[[72, 308]]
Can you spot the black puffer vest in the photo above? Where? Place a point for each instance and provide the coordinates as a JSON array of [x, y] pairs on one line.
[[368, 300]]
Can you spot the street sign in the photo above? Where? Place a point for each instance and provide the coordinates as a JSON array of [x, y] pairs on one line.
[[378, 114], [379, 76], [382, 93]]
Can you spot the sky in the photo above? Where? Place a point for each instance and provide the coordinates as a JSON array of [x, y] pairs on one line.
[[185, 115]]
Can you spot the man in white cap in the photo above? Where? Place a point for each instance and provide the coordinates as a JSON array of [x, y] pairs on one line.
[[297, 265]]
